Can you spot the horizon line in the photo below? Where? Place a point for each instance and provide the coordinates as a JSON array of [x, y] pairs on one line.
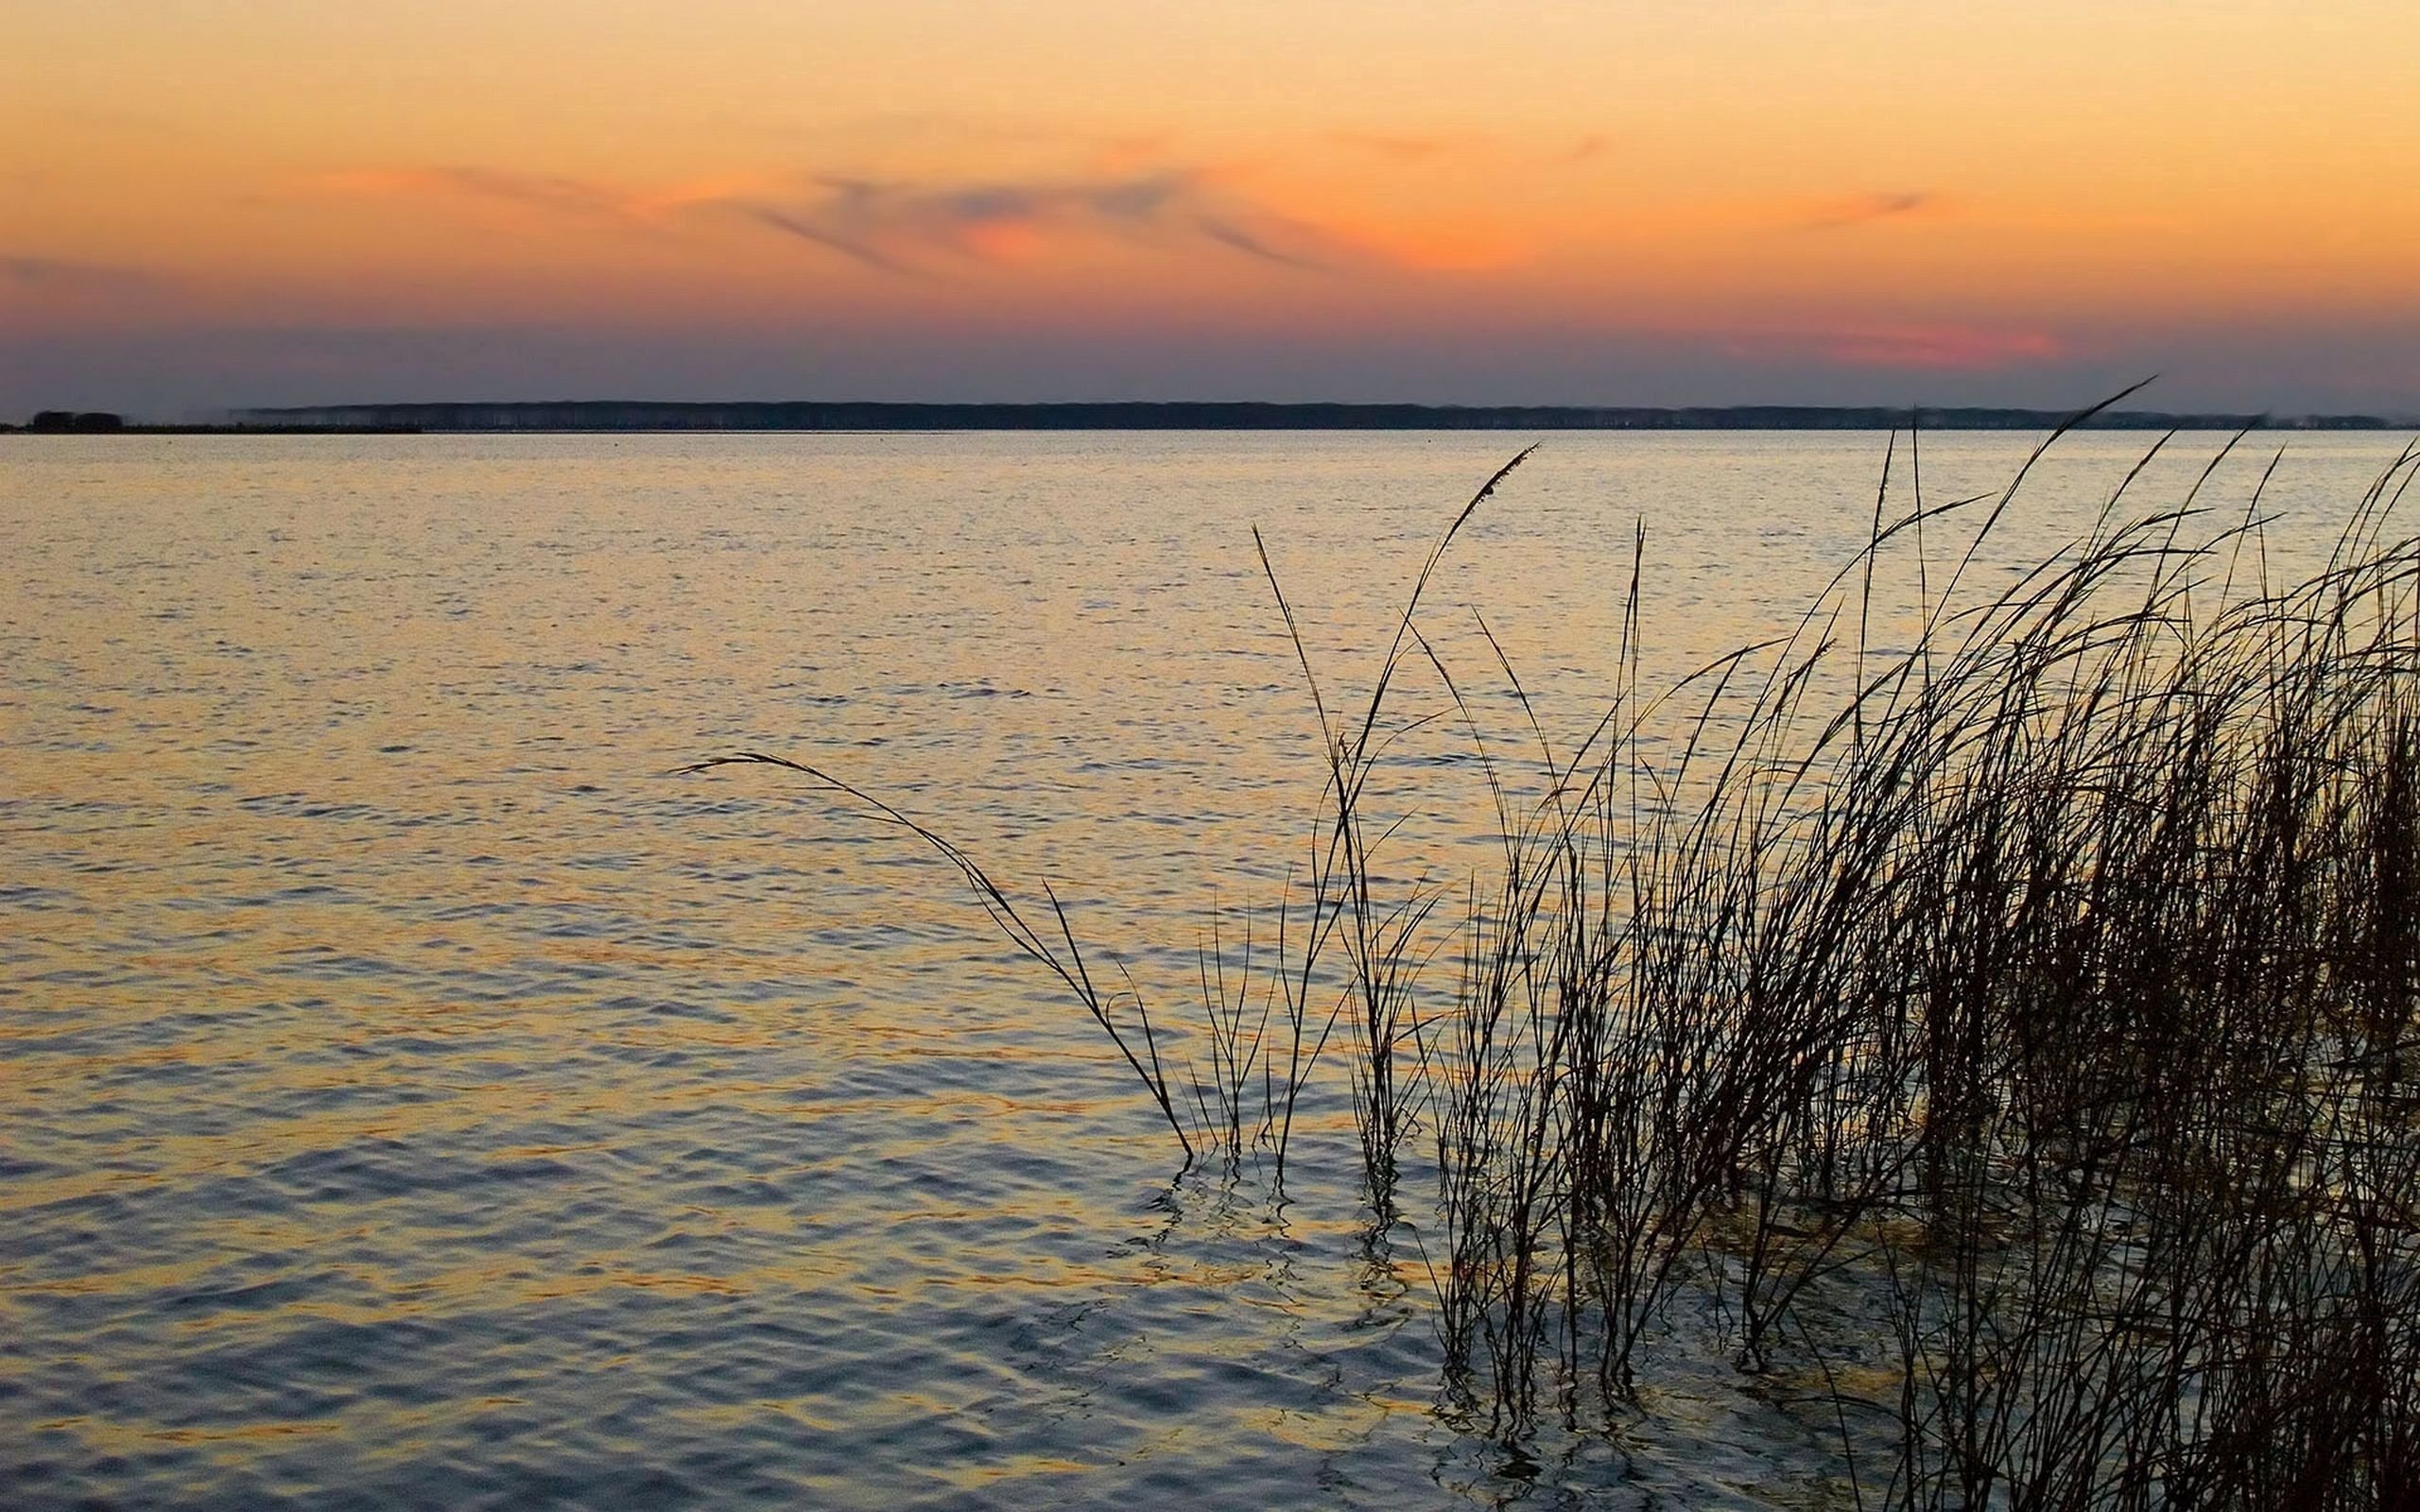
[[1151, 414]]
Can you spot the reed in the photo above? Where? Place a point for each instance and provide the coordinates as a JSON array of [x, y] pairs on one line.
[[2042, 983]]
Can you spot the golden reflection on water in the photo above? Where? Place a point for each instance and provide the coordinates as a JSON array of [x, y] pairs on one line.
[[399, 1059]]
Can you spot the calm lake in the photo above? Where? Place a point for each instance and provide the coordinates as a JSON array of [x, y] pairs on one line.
[[416, 1092]]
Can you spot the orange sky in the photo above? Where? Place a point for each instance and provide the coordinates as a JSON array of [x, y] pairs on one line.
[[1517, 200]]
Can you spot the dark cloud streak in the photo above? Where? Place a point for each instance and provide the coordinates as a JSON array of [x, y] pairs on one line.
[[1228, 235], [906, 228], [1872, 208], [547, 191], [830, 241]]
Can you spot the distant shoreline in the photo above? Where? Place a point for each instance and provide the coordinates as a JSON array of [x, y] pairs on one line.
[[628, 415], [634, 416], [216, 430]]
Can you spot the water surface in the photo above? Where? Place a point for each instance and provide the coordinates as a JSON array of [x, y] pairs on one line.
[[415, 1094]]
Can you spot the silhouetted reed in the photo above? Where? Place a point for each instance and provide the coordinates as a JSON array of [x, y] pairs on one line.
[[2019, 1003]]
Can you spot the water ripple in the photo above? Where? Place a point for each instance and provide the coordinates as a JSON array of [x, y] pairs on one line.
[[415, 1096]]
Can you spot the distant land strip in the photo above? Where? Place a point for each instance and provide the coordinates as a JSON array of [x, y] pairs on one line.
[[109, 422], [235, 429], [808, 415]]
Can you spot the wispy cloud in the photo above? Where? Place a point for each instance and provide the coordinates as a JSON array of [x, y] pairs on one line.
[[910, 223], [1865, 210], [1254, 244], [544, 192], [902, 227], [550, 195]]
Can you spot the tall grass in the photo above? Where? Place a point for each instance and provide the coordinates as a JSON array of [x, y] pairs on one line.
[[2039, 987]]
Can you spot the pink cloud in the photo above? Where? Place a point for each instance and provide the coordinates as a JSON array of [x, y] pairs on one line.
[[1922, 346]]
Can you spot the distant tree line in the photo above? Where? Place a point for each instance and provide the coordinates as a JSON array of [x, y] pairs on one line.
[[628, 415], [101, 423], [72, 420]]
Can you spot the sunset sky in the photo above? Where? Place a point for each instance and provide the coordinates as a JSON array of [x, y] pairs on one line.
[[1865, 201]]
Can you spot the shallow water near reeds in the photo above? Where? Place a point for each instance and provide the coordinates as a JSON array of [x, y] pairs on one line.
[[414, 1093]]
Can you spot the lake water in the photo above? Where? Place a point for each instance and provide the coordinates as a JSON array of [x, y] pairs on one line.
[[414, 1092]]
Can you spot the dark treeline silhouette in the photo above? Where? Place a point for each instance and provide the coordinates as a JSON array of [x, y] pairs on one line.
[[68, 419], [629, 414], [104, 422]]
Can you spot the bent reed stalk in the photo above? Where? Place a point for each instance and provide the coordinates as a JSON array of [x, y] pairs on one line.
[[2020, 1016]]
